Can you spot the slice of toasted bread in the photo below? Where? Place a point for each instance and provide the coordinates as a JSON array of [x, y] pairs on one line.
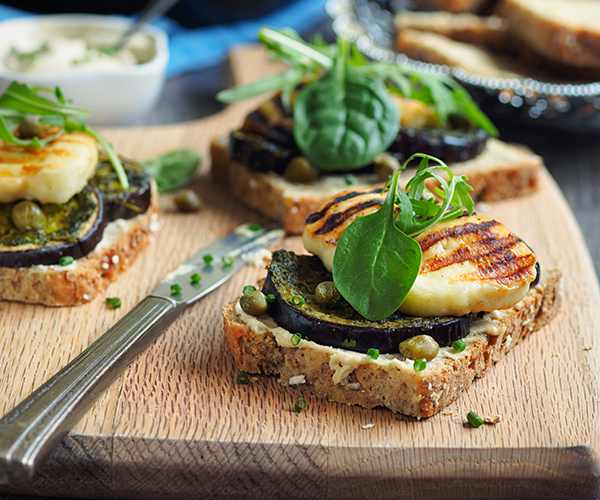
[[501, 171], [85, 278], [489, 31], [567, 31], [260, 346], [451, 5]]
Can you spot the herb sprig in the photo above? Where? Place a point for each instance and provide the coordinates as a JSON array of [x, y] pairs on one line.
[[376, 260], [19, 101], [335, 114]]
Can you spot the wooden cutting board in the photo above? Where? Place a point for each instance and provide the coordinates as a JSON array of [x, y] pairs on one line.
[[177, 424]]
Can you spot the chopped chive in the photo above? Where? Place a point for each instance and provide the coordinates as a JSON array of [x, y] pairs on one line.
[[349, 343], [296, 338], [271, 298], [350, 179], [248, 288], [474, 419], [243, 379], [65, 261], [420, 364], [254, 226], [114, 302], [196, 278], [227, 261], [299, 405], [176, 289], [297, 300], [208, 258], [373, 353], [459, 345]]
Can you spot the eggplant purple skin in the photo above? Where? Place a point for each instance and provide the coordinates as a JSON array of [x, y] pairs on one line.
[[51, 254], [357, 337], [265, 147]]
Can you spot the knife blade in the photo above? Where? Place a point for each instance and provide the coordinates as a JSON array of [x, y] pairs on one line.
[[33, 429]]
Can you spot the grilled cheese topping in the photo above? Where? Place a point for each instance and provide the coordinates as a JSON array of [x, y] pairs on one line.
[[470, 264], [52, 174]]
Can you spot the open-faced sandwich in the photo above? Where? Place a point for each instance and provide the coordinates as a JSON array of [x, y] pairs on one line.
[[73, 215], [339, 120], [406, 300]]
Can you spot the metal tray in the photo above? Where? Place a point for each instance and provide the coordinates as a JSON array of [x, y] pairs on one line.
[[564, 106]]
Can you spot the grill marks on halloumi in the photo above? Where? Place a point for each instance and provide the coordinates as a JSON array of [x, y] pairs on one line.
[[323, 228], [52, 174], [470, 264], [498, 254]]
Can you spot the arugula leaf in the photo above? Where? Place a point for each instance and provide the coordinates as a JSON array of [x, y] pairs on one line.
[[173, 170], [441, 92], [376, 260], [345, 118], [375, 264], [19, 101]]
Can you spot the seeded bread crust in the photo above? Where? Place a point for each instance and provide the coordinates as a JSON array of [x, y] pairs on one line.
[[567, 31], [260, 346], [501, 171], [89, 276]]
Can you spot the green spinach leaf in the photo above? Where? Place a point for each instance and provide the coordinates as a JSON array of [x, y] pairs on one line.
[[376, 260], [173, 170], [345, 118], [375, 264]]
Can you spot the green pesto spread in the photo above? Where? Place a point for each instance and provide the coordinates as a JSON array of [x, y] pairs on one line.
[[63, 221], [298, 275]]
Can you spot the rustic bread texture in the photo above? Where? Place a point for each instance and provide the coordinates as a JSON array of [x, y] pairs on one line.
[[567, 31], [260, 346], [451, 5], [501, 171], [490, 31], [437, 49], [83, 280]]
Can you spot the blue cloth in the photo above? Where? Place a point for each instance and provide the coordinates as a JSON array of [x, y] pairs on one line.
[[195, 49]]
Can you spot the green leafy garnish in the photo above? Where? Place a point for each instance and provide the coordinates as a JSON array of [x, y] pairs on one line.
[[344, 96], [345, 118], [19, 101], [114, 302], [376, 260], [173, 170]]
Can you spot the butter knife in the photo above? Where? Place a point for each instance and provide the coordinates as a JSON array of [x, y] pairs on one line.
[[34, 428]]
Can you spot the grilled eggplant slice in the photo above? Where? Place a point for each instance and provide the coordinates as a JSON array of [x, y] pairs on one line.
[[266, 140], [120, 204], [71, 229], [292, 275]]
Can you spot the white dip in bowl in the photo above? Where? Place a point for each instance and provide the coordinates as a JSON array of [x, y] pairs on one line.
[[70, 51]]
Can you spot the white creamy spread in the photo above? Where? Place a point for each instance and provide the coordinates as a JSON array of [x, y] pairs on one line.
[[71, 49]]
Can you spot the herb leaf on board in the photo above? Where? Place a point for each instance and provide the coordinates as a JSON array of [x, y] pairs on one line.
[[173, 170]]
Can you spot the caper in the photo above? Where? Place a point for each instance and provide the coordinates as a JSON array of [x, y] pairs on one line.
[[299, 169], [27, 215], [327, 295], [254, 303], [188, 201], [421, 346], [28, 129], [384, 165]]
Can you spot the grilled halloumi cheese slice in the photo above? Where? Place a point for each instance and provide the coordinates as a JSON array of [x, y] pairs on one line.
[[470, 264], [51, 174]]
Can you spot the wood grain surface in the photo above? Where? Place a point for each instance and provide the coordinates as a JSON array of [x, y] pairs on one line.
[[176, 424]]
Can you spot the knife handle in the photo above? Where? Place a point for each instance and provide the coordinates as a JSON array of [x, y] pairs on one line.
[[33, 429]]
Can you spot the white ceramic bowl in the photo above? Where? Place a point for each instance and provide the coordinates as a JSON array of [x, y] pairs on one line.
[[120, 95]]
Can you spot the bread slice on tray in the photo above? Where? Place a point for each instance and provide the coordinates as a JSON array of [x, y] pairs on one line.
[[501, 171], [567, 31]]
